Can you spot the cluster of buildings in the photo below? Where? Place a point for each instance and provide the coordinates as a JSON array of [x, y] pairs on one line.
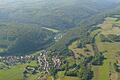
[[45, 63], [58, 37], [13, 60], [43, 60]]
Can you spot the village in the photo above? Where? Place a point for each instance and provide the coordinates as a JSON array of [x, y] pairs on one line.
[[43, 61]]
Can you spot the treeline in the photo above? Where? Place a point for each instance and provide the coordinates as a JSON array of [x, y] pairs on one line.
[[76, 68], [110, 38], [79, 67]]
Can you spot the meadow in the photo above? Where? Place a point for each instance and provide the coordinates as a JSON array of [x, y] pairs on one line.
[[16, 72], [102, 72]]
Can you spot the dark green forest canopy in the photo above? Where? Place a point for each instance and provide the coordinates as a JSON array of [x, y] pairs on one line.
[[24, 39]]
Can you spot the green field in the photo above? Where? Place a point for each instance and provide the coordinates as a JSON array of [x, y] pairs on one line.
[[102, 72], [78, 51], [62, 77], [16, 72]]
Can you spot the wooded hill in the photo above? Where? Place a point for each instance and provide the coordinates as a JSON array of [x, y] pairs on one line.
[[82, 32], [20, 25], [21, 39], [60, 14]]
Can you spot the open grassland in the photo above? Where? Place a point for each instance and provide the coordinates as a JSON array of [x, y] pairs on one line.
[[69, 78], [34, 77], [62, 77], [108, 28], [107, 24], [103, 72], [16, 72], [77, 51]]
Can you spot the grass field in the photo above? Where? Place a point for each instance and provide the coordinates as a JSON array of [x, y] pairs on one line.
[[74, 48], [107, 26], [78, 51], [62, 77], [102, 72], [16, 72]]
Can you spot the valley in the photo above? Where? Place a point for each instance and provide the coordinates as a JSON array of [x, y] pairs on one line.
[[100, 72], [105, 71], [59, 40]]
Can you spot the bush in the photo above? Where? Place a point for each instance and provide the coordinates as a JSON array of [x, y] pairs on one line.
[[117, 68], [71, 73], [98, 59], [104, 38]]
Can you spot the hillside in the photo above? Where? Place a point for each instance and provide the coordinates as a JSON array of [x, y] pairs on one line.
[[59, 39], [19, 17], [83, 31], [23, 38], [62, 14]]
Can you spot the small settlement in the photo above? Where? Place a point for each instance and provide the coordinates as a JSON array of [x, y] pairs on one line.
[[43, 61]]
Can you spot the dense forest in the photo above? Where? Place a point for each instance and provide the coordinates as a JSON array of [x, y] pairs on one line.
[[24, 39]]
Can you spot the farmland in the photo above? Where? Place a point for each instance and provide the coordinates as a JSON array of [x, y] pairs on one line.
[[102, 72], [16, 72], [59, 40]]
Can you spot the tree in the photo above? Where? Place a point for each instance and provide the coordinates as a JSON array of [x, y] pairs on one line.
[[71, 73], [25, 75], [104, 38], [53, 72], [98, 59], [85, 73]]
